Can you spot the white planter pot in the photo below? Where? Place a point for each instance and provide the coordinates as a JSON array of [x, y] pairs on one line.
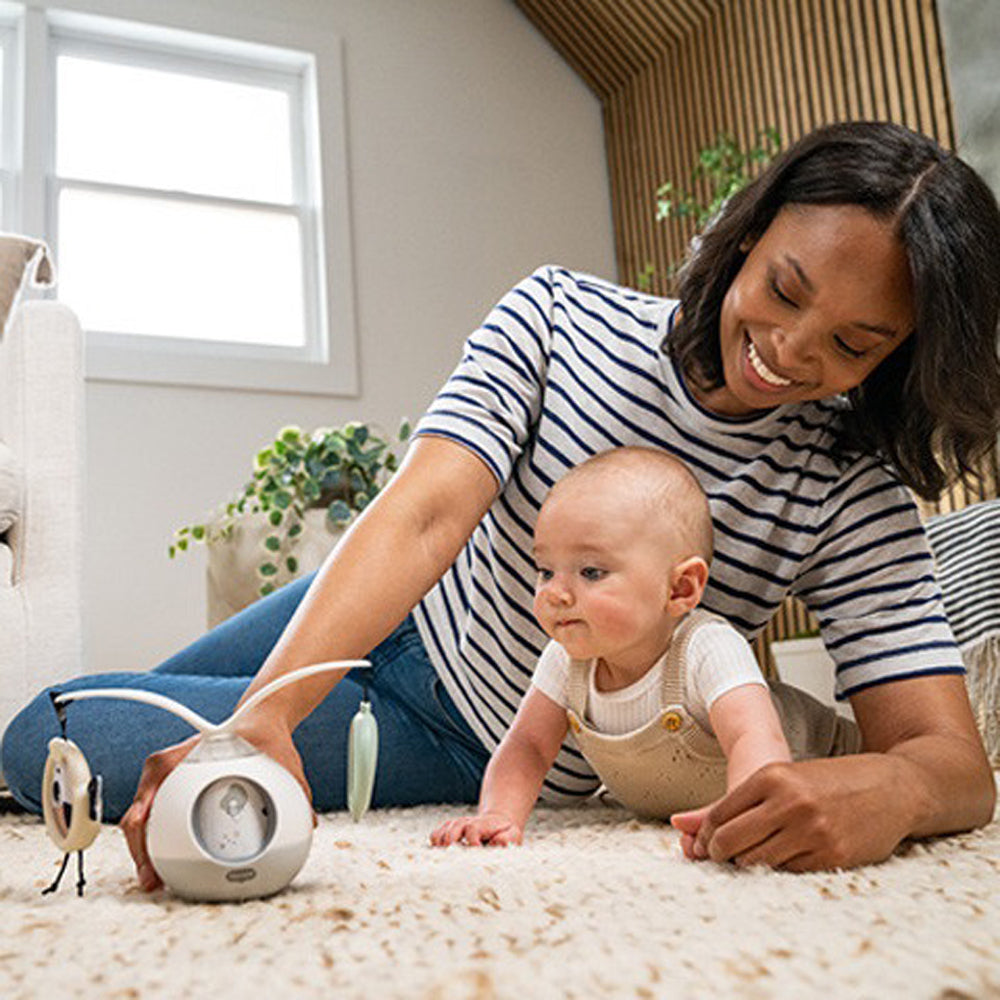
[[232, 578], [805, 664]]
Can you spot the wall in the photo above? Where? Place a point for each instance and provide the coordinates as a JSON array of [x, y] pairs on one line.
[[475, 154], [971, 33]]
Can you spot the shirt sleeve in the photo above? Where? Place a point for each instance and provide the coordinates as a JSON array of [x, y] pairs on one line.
[[492, 400], [871, 583], [719, 659], [551, 675]]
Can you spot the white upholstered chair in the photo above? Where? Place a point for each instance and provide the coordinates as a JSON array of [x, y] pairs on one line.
[[41, 424]]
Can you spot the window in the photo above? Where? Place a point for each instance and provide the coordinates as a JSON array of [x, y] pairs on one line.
[[8, 91], [183, 204]]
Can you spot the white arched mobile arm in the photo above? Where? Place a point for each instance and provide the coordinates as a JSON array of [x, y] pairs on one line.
[[191, 717]]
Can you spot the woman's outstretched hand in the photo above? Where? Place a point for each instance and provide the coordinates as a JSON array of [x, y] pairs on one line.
[[808, 816], [272, 740]]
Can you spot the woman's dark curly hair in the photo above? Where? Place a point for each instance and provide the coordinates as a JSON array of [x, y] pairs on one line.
[[932, 408]]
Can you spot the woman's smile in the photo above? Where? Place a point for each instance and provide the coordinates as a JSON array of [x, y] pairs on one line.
[[757, 369]]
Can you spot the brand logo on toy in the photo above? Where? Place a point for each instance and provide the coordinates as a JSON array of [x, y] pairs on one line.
[[241, 874]]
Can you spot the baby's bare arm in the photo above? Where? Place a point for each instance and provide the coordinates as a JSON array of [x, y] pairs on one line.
[[747, 726], [513, 776]]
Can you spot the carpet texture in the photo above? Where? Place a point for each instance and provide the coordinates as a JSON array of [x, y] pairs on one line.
[[595, 905]]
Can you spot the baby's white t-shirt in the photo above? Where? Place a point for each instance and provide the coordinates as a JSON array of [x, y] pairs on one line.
[[718, 660]]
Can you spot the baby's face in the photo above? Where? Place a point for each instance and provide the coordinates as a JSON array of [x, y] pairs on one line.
[[603, 577]]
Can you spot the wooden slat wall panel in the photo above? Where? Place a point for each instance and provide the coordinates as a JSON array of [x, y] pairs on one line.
[[674, 73], [607, 41]]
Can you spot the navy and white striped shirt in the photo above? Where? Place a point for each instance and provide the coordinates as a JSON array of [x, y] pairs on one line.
[[566, 366]]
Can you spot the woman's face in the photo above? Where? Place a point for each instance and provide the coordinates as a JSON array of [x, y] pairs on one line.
[[822, 297]]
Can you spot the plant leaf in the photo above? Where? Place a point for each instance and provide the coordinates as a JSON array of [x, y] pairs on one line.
[[338, 512]]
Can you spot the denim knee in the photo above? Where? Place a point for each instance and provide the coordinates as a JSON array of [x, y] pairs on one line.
[[24, 749]]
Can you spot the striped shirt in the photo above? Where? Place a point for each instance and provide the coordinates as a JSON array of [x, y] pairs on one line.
[[566, 366]]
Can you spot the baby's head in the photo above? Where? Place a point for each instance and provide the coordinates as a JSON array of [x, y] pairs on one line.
[[622, 545]]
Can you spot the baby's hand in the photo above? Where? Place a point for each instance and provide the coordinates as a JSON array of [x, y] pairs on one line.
[[492, 829], [689, 824]]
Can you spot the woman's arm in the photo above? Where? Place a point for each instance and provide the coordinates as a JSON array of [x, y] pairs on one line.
[[393, 554], [923, 772], [927, 726], [390, 558]]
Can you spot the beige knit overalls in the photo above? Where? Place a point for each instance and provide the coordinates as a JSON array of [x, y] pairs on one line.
[[671, 764]]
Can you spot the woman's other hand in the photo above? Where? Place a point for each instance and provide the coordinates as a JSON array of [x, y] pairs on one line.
[[813, 815], [924, 773]]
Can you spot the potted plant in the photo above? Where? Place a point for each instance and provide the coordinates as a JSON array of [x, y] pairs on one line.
[[305, 490], [723, 168]]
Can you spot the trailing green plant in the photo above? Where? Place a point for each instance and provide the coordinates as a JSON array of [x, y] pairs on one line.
[[339, 468], [726, 169]]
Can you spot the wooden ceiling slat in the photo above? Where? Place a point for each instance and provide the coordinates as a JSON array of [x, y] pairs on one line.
[[623, 37], [886, 62], [903, 59], [919, 62], [699, 89], [728, 110], [865, 88], [830, 19], [637, 46], [788, 107], [708, 71], [589, 25], [741, 66], [770, 59], [680, 15], [663, 34], [944, 123], [758, 71], [853, 83]]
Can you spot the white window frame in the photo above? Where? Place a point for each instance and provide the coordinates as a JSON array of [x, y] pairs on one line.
[[9, 111], [327, 364]]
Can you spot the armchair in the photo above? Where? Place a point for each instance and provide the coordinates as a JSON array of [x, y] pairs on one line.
[[41, 423]]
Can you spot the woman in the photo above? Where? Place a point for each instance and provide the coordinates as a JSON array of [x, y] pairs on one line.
[[835, 340]]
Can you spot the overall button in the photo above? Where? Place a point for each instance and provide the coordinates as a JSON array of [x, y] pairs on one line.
[[671, 721]]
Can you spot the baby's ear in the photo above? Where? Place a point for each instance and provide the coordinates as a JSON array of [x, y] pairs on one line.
[[687, 584]]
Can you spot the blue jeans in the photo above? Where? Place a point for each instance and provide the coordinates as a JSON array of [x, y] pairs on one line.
[[427, 752]]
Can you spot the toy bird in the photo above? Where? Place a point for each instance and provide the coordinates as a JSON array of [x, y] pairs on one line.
[[71, 805]]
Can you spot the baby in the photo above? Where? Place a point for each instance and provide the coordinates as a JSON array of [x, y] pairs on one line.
[[665, 700]]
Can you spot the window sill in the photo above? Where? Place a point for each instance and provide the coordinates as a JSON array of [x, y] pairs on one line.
[[160, 361]]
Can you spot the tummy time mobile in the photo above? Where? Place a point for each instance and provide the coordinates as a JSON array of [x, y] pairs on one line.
[[228, 822]]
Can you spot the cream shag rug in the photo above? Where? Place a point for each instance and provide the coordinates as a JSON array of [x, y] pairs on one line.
[[595, 905]]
